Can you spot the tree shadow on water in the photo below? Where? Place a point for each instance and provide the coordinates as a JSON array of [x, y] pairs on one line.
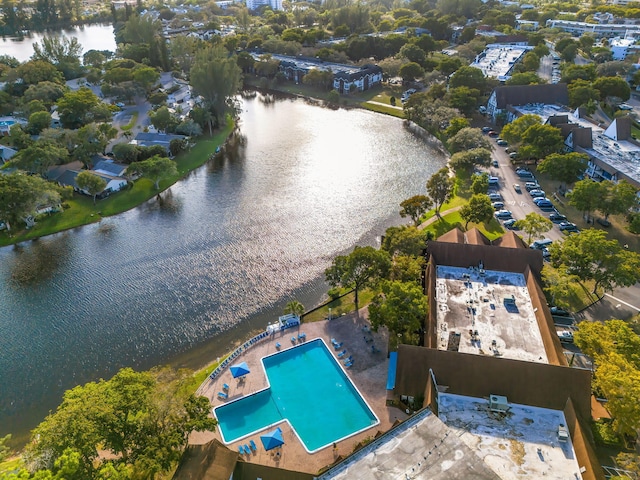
[[39, 262]]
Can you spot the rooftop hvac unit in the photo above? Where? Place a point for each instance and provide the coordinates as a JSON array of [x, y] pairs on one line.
[[498, 403], [563, 433]]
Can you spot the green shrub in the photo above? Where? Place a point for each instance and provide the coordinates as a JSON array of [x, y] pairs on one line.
[[604, 434]]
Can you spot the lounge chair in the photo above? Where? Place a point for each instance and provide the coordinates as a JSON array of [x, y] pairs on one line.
[[333, 341], [348, 359], [342, 353], [247, 450], [293, 339], [253, 445], [337, 345], [223, 395], [348, 364], [278, 346], [241, 449], [225, 386]]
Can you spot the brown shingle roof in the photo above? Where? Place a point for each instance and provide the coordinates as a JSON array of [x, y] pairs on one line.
[[524, 94], [509, 240], [475, 237]]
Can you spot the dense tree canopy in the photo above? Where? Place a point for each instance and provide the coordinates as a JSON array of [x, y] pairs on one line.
[[477, 210], [534, 225], [21, 194], [566, 167], [415, 207], [362, 267], [155, 168]]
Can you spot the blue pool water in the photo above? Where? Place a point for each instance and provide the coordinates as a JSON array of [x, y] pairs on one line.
[[309, 389], [7, 123]]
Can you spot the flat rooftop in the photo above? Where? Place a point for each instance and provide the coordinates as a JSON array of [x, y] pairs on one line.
[[521, 443], [487, 312], [497, 60], [421, 448]]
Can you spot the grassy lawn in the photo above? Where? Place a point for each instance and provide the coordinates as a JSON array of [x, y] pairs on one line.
[[80, 210], [10, 465], [491, 230], [340, 306]]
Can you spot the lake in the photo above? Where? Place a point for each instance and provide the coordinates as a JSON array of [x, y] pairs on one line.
[[179, 279], [91, 37]]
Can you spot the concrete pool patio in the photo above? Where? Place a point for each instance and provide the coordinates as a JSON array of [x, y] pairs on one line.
[[368, 373]]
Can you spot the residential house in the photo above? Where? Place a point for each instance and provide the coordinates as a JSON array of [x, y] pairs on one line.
[[65, 175], [148, 139], [6, 153]]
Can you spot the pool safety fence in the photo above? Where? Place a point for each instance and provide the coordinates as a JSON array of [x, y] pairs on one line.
[[232, 356]]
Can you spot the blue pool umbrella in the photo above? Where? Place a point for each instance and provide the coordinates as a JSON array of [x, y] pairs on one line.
[[239, 370], [272, 439]]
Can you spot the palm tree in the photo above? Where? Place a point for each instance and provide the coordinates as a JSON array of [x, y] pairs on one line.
[[295, 307]]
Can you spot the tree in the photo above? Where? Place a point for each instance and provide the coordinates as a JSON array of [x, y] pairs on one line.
[[90, 183], [558, 284], [4, 448], [216, 76], [47, 92], [618, 198], [21, 194], [542, 140], [404, 240], [468, 138], [162, 119], [477, 210], [295, 307], [402, 308], [534, 225], [155, 168], [513, 132], [590, 256], [455, 125], [571, 73], [464, 99], [38, 121], [480, 183], [566, 168], [142, 418], [531, 62], [524, 78], [411, 71], [36, 71], [63, 52], [125, 152], [467, 159], [448, 65], [79, 108], [362, 267], [581, 92], [413, 53], [415, 207], [440, 188], [470, 77], [146, 77], [586, 195], [614, 348], [612, 87], [39, 156]]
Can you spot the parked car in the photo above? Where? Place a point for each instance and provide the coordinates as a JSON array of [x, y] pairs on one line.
[[625, 106], [537, 200], [498, 205], [517, 188], [503, 214], [565, 336], [557, 217], [510, 224], [566, 226], [513, 155], [603, 222], [495, 163], [561, 312], [486, 129], [493, 133], [119, 104], [536, 193], [524, 174], [546, 254], [495, 197], [540, 244], [502, 143], [545, 204], [493, 180], [573, 229], [531, 186]]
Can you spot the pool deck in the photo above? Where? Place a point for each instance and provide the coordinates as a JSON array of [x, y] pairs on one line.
[[368, 373]]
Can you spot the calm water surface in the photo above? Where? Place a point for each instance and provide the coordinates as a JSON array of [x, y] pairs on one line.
[[91, 37], [179, 279]]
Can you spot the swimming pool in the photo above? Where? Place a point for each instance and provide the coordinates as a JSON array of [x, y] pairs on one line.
[[308, 389]]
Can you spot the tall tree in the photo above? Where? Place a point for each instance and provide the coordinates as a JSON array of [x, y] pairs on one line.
[[295, 307], [467, 159], [513, 132], [469, 77], [480, 182], [440, 188], [216, 76], [21, 194], [542, 140], [469, 138], [564, 167], [477, 210], [63, 52], [78, 108], [586, 195], [39, 156], [155, 168], [402, 308], [534, 225], [404, 240], [590, 256], [362, 267], [618, 198], [612, 87], [90, 183], [415, 207]]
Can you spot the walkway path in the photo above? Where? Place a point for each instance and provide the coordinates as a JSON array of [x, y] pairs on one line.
[[384, 104], [431, 220]]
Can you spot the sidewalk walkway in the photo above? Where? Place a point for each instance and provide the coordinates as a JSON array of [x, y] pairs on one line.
[[425, 224]]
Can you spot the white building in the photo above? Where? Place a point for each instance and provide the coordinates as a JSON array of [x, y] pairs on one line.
[[255, 4], [497, 60], [621, 47], [599, 30]]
